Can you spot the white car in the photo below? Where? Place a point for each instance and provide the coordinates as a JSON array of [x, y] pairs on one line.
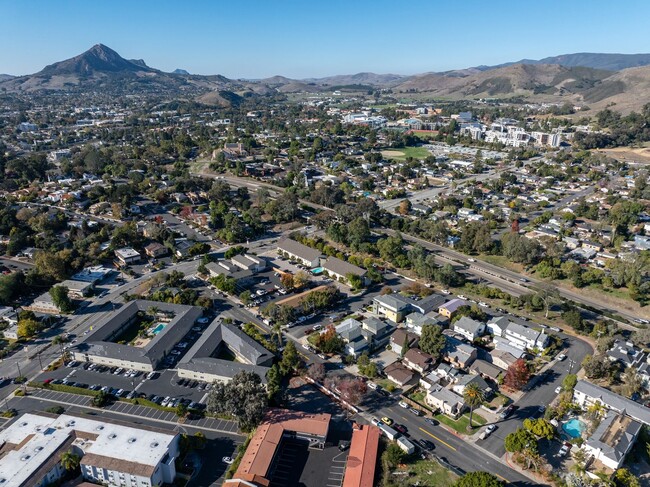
[[561, 357], [558, 389], [445, 291], [487, 431], [471, 259], [227, 460], [372, 385], [462, 296], [483, 304], [402, 404]]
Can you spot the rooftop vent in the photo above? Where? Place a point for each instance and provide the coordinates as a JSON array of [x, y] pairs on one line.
[[131, 440], [25, 457], [24, 423], [112, 436], [99, 428], [154, 444], [38, 448]]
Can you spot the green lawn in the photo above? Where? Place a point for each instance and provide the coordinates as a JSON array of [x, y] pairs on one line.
[[414, 152], [462, 423], [425, 472]]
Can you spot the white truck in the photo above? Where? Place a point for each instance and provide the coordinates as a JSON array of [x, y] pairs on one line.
[[405, 445], [390, 433]]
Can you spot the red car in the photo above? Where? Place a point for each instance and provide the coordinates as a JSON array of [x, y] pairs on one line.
[[47, 381], [401, 428]]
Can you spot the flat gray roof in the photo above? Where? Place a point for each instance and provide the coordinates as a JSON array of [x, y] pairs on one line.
[[299, 250]]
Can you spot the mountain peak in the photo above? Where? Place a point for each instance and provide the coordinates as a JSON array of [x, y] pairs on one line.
[[96, 60]]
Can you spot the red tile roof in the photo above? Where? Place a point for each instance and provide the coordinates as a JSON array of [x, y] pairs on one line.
[[362, 460]]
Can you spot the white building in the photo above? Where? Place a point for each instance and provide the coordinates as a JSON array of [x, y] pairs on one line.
[[469, 328], [127, 255], [612, 440], [111, 454], [524, 337]]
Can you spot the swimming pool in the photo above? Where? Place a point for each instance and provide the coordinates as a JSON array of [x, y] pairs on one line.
[[159, 327], [574, 428], [317, 270]]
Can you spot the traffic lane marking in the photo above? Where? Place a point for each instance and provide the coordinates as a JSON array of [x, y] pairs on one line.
[[441, 441]]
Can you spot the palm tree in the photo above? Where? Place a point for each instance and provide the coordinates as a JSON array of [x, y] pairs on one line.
[[277, 331], [473, 396], [70, 461]]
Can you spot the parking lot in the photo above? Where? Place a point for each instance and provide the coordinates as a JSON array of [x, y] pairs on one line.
[[135, 410]]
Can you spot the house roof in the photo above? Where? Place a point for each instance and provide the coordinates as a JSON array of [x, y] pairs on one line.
[[399, 336], [394, 302], [614, 401], [486, 368], [614, 435], [454, 304], [362, 459], [418, 357], [469, 325], [296, 248], [399, 372], [342, 268]]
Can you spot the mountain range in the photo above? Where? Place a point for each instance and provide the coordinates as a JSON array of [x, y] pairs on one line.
[[593, 79]]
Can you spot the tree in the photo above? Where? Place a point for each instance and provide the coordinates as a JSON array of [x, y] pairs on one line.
[[549, 295], [517, 375], [405, 345], [352, 390], [273, 382], [328, 341], [520, 440], [290, 358], [28, 327], [432, 341], [181, 410], [366, 366], [632, 382], [101, 399], [244, 397], [392, 456], [70, 461], [473, 396], [540, 427], [246, 297], [316, 371], [287, 281], [404, 207], [478, 479], [569, 382], [596, 367], [300, 279], [60, 298], [624, 478]]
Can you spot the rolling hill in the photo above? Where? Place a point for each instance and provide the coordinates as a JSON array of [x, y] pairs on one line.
[[605, 61]]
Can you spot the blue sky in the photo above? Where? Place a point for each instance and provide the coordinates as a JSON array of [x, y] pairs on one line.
[[260, 38]]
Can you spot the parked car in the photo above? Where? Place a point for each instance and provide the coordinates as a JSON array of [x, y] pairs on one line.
[[558, 389], [375, 421], [432, 422], [372, 385], [387, 420], [488, 431], [227, 460], [561, 357], [402, 404], [566, 447], [427, 445], [507, 412], [415, 411], [401, 428]]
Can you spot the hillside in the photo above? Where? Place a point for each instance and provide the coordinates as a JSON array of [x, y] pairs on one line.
[[372, 79], [514, 80], [607, 62]]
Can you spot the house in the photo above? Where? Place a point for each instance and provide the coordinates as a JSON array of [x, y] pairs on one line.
[[448, 372], [467, 379], [524, 337], [156, 250], [378, 329], [428, 304], [613, 439], [11, 332], [127, 255], [399, 374], [415, 322], [497, 325], [486, 370], [626, 354], [504, 345], [416, 359], [297, 251], [469, 328], [44, 304], [399, 338], [8, 315], [249, 262], [340, 270], [391, 306], [586, 394], [77, 289], [350, 332], [182, 247], [459, 353], [446, 401], [448, 310]]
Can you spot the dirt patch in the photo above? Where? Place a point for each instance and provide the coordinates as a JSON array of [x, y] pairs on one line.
[[630, 154], [140, 342], [392, 153]]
